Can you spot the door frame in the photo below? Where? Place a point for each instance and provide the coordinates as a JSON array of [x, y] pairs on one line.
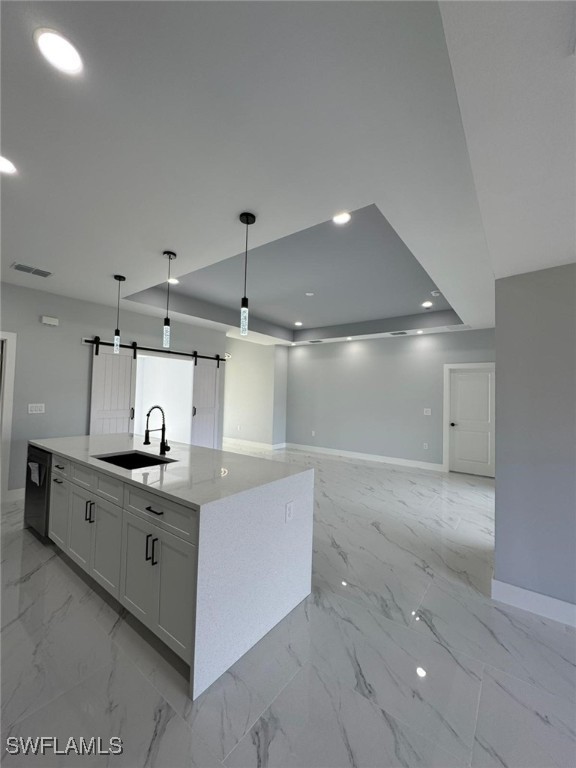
[[448, 368], [8, 379]]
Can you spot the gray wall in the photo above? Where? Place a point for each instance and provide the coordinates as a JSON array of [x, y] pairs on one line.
[[280, 394], [53, 367], [369, 396], [536, 431], [255, 392]]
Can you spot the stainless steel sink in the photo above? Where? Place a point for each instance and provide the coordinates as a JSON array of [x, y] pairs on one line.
[[134, 459]]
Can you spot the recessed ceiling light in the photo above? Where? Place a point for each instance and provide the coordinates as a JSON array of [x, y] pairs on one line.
[[293, 344], [298, 323], [341, 218], [58, 51], [419, 332], [349, 338], [173, 280], [420, 672], [426, 304], [309, 293], [6, 166], [344, 583]]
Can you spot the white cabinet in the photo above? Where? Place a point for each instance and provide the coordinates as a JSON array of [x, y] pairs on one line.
[[94, 537], [158, 582], [106, 545], [137, 580], [80, 528], [59, 506]]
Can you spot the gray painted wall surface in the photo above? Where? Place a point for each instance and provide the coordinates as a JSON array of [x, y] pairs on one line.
[[280, 394], [53, 367], [369, 396], [536, 431], [249, 391]]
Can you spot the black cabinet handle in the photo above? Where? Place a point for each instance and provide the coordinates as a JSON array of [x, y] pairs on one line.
[[86, 515], [57, 481], [58, 466], [149, 509], [148, 537], [131, 414], [90, 518], [154, 562]]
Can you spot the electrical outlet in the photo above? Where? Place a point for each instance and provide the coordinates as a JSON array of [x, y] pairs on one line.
[[425, 446], [313, 433], [427, 411], [238, 427], [289, 513], [36, 408]]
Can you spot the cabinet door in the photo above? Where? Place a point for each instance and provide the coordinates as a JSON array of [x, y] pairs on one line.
[[80, 528], [175, 564], [59, 506], [106, 545], [138, 581]]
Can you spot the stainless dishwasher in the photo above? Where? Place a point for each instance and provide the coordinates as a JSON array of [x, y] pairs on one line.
[[37, 500]]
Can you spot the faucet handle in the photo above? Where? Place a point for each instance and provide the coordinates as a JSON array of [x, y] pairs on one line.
[[166, 447]]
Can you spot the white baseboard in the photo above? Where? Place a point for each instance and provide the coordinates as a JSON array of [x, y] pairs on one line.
[[252, 443], [368, 457], [549, 607], [16, 494]]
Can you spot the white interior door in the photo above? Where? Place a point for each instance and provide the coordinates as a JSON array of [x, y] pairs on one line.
[[471, 419], [113, 391], [205, 404]]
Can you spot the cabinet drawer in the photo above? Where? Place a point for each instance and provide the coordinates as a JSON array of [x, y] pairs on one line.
[[82, 475], [108, 488], [179, 520], [60, 466]]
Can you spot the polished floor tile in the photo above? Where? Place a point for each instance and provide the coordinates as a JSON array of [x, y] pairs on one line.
[[398, 658], [519, 726]]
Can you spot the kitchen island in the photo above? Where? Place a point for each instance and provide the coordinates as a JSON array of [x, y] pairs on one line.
[[209, 551]]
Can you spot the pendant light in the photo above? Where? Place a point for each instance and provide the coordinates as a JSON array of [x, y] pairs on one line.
[[166, 335], [120, 279], [247, 219]]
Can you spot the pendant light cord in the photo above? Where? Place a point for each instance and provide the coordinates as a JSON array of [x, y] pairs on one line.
[[246, 260], [118, 308]]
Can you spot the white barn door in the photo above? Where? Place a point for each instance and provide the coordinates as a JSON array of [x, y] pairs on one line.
[[113, 392], [471, 421], [205, 404]]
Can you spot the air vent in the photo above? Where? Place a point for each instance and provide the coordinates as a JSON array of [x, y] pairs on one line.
[[315, 341], [398, 333], [30, 270], [461, 327]]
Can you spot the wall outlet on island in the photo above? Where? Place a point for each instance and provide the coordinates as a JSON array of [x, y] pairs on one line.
[[289, 511], [425, 446], [313, 433], [238, 427]]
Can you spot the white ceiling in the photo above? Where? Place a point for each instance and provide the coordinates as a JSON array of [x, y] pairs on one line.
[[515, 74], [188, 113]]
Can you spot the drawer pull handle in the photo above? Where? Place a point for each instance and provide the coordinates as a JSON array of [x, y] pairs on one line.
[[58, 466], [154, 562], [148, 537], [86, 514], [149, 509], [58, 481], [90, 518]]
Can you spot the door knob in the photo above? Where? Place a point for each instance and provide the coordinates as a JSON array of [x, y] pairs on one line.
[[452, 424]]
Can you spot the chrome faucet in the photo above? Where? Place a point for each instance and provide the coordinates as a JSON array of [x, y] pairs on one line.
[[164, 447]]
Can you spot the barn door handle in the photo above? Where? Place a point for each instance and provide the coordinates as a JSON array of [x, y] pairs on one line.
[[193, 410], [131, 414], [452, 424]]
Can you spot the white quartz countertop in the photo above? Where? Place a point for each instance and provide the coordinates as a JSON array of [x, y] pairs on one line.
[[197, 476]]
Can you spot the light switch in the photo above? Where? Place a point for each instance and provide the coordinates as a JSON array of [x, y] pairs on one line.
[[427, 411], [36, 408], [289, 511]]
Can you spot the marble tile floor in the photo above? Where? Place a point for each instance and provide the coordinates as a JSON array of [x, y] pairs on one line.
[[398, 658]]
